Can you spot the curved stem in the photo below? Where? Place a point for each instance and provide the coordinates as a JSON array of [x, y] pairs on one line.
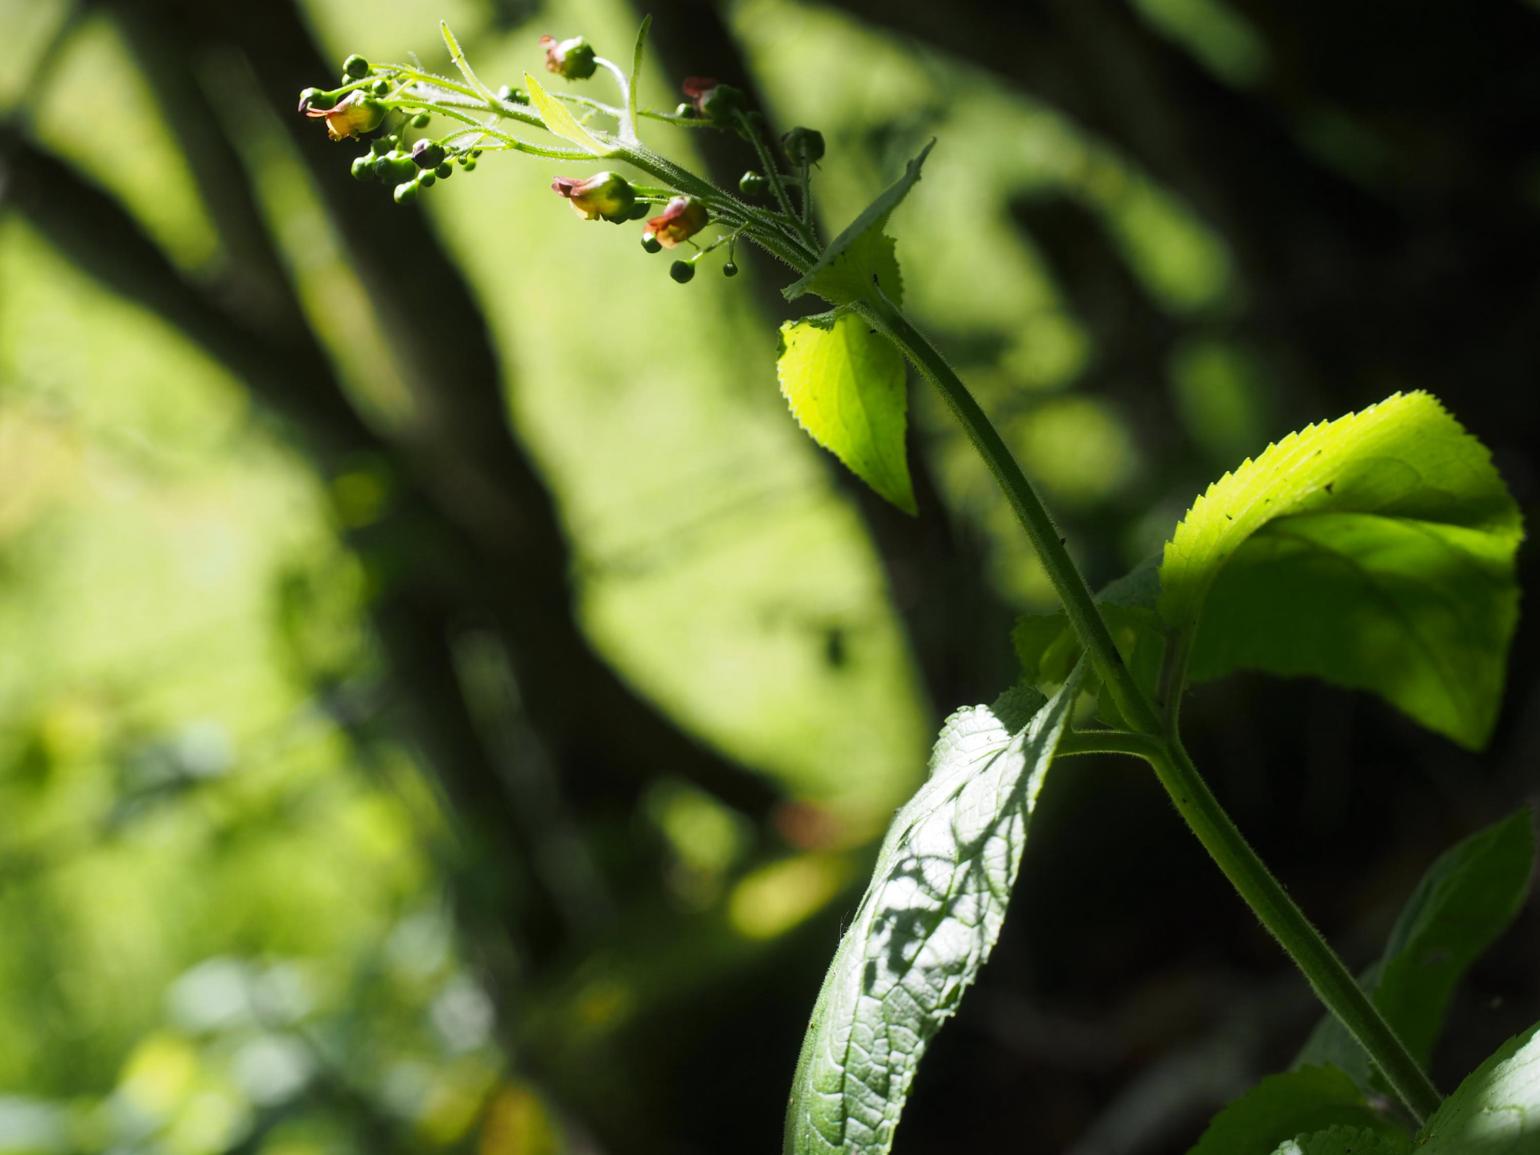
[[1077, 742], [1073, 592], [1150, 739], [1333, 983]]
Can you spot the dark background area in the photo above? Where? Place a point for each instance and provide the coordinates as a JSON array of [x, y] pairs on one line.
[[1156, 236]]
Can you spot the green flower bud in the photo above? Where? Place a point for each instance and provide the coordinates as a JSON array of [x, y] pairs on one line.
[[316, 98], [603, 196], [803, 145], [428, 154], [684, 111], [405, 192], [380, 88], [355, 67], [682, 271], [752, 184], [444, 171], [420, 120], [570, 59], [730, 269], [427, 178], [467, 163], [363, 167], [651, 243], [713, 99]]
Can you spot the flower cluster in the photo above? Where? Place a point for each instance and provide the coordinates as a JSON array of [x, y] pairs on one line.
[[391, 104]]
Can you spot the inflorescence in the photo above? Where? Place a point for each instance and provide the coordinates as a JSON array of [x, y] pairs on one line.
[[396, 107]]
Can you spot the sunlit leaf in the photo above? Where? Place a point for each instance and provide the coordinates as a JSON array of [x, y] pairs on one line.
[[862, 255], [1376, 551], [845, 386], [562, 123], [926, 924], [1283, 1107], [1496, 1111], [1467, 898]]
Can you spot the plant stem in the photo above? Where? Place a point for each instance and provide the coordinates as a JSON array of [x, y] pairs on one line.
[[1332, 981], [1150, 739], [1073, 592]]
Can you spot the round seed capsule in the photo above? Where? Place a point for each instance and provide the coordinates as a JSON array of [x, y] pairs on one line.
[[651, 243], [752, 184], [380, 87], [426, 178], [405, 192], [444, 171], [468, 165], [420, 120], [356, 67], [730, 269], [363, 167], [682, 271]]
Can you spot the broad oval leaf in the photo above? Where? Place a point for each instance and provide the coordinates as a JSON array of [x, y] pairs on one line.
[[1347, 1141], [1283, 1107], [863, 253], [560, 122], [1466, 899], [845, 386], [1376, 551], [926, 924], [1496, 1111]]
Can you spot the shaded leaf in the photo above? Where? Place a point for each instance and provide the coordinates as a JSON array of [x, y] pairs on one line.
[[926, 924], [1467, 898], [1283, 1107], [1347, 1141], [1496, 1111], [862, 254], [845, 386], [1375, 551]]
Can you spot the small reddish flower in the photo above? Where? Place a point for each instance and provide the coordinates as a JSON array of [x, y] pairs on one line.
[[603, 196], [352, 116], [711, 97], [570, 59], [681, 219]]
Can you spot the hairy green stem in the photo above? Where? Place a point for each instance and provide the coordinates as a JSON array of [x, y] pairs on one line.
[[1333, 983], [1074, 594], [1151, 740]]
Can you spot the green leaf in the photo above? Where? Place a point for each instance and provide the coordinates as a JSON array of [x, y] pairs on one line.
[[845, 386], [926, 924], [862, 254], [1347, 1141], [1376, 551], [1467, 898], [560, 122], [1283, 1107], [634, 82], [1496, 1111]]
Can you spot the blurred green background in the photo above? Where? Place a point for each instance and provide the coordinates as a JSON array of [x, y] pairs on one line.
[[447, 705]]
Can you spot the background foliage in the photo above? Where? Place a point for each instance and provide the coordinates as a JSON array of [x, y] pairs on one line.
[[446, 705]]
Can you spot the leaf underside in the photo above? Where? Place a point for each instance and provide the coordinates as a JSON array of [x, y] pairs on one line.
[[926, 924], [1468, 897], [845, 386], [1496, 1111], [1375, 552]]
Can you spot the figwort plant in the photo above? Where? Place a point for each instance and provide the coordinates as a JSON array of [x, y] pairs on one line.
[[1376, 551]]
